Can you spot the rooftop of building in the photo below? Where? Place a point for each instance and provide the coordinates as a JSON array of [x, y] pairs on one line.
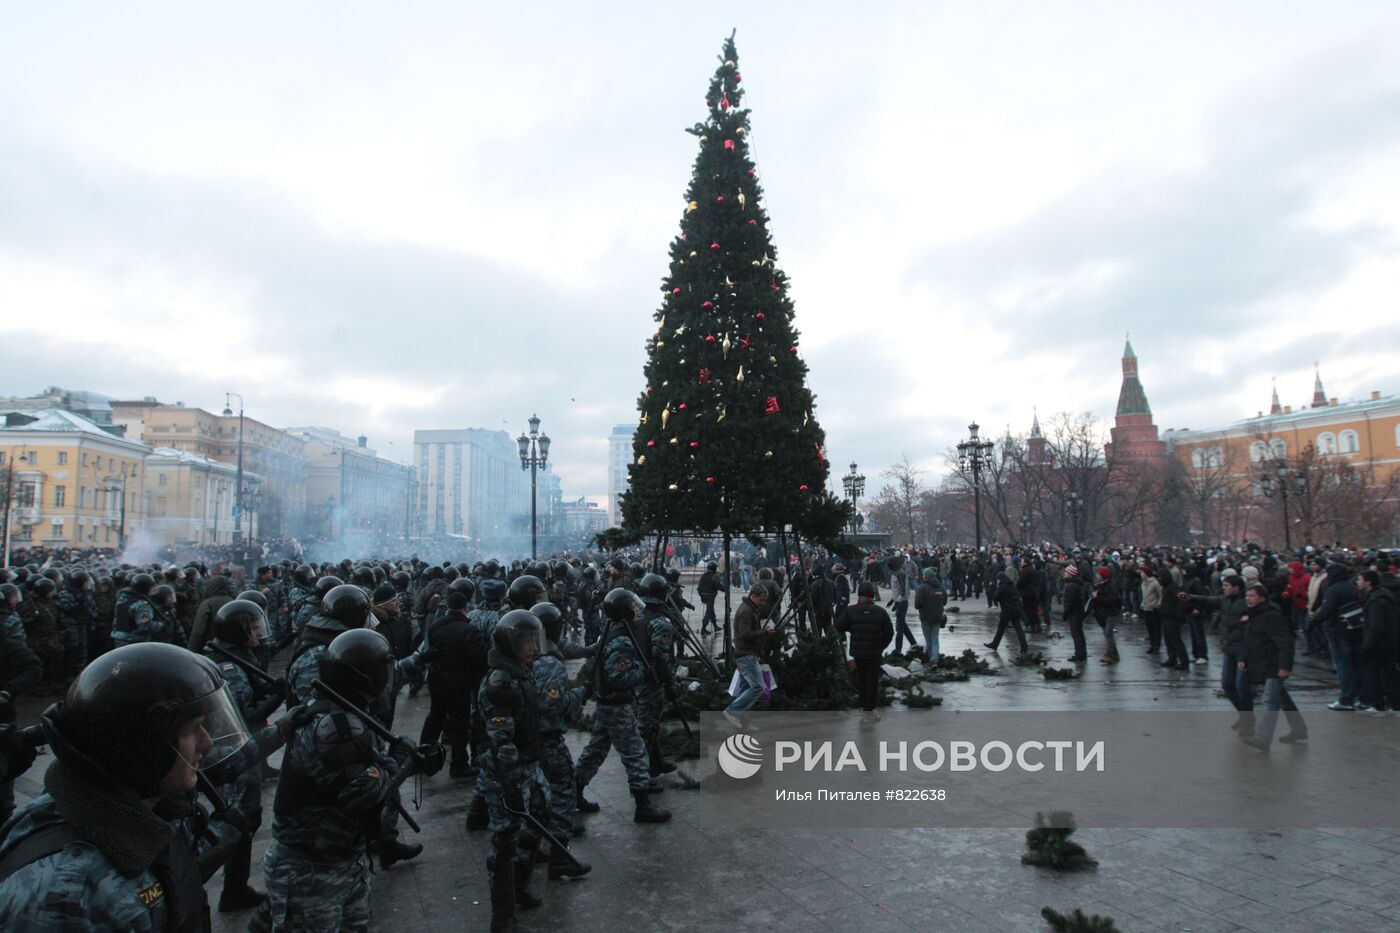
[[1268, 423], [185, 456], [59, 421]]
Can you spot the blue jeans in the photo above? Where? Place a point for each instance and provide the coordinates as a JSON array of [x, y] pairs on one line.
[[752, 676], [1343, 645], [930, 640], [1235, 683], [1276, 698]]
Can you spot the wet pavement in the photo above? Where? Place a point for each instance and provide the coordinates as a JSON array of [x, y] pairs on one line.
[[678, 876]]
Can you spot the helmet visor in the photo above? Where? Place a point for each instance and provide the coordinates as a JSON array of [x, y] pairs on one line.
[[216, 715]]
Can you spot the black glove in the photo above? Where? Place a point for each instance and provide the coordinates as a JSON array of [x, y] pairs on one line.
[[429, 656], [587, 687], [514, 799], [16, 755], [430, 758], [296, 717]]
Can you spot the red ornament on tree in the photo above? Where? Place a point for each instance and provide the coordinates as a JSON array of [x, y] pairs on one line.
[[705, 377], [710, 338], [694, 443], [676, 290], [744, 343], [714, 246], [709, 479], [792, 349], [729, 144], [771, 408], [753, 223], [773, 285], [719, 197], [651, 443], [724, 102], [682, 408], [759, 315], [750, 172], [738, 77], [707, 305], [803, 487]]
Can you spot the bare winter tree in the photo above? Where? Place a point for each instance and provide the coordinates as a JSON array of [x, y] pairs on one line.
[[898, 506]]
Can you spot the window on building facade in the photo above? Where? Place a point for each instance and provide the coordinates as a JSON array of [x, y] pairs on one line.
[[60, 495], [1198, 458], [63, 458], [162, 480], [1326, 443], [1258, 452], [56, 530], [1215, 458], [32, 458], [85, 459], [1279, 448], [1349, 442]]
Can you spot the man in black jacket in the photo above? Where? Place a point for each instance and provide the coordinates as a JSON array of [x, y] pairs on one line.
[[451, 683], [1074, 599], [1268, 658], [21, 672], [1380, 644], [871, 630], [1009, 599]]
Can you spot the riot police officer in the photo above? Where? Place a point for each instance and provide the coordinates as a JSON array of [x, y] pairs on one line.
[[116, 841], [621, 671]]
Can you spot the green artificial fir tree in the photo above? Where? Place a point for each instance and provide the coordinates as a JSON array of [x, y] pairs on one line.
[[727, 437]]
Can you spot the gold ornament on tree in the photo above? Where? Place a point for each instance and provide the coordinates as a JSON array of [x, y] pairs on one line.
[[768, 455], [665, 416], [725, 346], [674, 441], [642, 459], [723, 413], [740, 378], [679, 330], [692, 206], [742, 200], [673, 487], [644, 417]]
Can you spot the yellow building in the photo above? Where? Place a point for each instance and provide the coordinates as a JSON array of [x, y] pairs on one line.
[[69, 482], [1364, 434], [277, 457], [190, 499]]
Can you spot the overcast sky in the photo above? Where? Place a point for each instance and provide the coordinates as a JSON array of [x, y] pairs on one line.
[[382, 217]]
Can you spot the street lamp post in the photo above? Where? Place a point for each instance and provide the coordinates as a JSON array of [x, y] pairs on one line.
[[975, 455], [941, 527], [1025, 527], [854, 483], [1269, 487], [238, 481], [1076, 505], [534, 452]]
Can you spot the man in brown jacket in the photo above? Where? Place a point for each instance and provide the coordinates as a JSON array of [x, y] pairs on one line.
[[751, 641]]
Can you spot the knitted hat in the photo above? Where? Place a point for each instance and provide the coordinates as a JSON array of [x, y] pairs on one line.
[[1103, 573], [1250, 574]]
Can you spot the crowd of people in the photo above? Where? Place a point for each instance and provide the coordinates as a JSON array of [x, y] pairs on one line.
[[167, 675]]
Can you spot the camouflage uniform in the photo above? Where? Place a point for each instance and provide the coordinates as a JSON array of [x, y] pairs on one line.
[[309, 609], [336, 778], [651, 699], [12, 623], [510, 765], [146, 623], [104, 601], [558, 704], [621, 674], [77, 609], [80, 888], [44, 633]]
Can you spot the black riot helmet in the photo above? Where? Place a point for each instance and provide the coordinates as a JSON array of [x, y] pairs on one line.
[[434, 573], [561, 569], [326, 584], [358, 663], [53, 573], [492, 592], [712, 567], [551, 618], [9, 589], [622, 605], [77, 582], [363, 576], [492, 568], [44, 587], [518, 635], [163, 595], [254, 596], [673, 575], [347, 604], [449, 574], [304, 575], [401, 580], [121, 720], [590, 572], [142, 583], [462, 585], [525, 591], [237, 620], [652, 588], [538, 568], [636, 570]]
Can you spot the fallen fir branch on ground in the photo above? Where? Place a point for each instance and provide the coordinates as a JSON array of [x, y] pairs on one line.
[[1059, 673], [1077, 922], [1049, 845]]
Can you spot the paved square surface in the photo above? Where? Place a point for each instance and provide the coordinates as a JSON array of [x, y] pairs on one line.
[[678, 876]]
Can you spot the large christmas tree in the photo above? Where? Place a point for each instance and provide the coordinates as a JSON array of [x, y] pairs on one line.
[[727, 437]]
